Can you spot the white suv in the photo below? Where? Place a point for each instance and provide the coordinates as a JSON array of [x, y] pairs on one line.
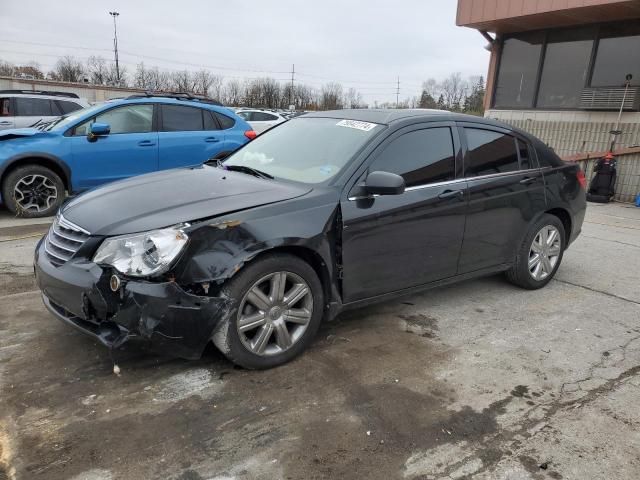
[[261, 120], [25, 108]]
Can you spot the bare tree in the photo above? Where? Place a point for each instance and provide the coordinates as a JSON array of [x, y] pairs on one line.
[[201, 82], [111, 76], [454, 90], [331, 96], [6, 69], [217, 87], [232, 93], [306, 98], [157, 80], [97, 70], [142, 77], [182, 81], [431, 87], [68, 69], [207, 84]]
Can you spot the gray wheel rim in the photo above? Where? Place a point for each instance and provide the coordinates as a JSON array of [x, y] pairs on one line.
[[35, 193], [544, 252], [274, 313]]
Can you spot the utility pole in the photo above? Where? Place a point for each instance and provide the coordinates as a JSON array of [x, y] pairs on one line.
[[115, 14], [398, 94], [293, 72], [616, 131]]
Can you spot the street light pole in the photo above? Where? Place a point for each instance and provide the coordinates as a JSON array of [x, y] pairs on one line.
[[115, 14]]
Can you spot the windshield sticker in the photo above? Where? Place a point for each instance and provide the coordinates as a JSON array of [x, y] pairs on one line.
[[364, 126]]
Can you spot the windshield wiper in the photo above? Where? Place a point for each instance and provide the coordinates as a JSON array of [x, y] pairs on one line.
[[245, 169]]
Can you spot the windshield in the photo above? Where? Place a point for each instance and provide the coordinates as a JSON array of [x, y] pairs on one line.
[[309, 150], [66, 121]]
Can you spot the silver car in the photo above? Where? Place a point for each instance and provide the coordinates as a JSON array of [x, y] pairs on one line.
[[26, 108]]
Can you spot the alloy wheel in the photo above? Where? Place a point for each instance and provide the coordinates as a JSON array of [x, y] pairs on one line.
[[35, 193], [274, 313], [544, 252]]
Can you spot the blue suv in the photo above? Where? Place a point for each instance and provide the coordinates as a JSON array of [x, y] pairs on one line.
[[112, 141]]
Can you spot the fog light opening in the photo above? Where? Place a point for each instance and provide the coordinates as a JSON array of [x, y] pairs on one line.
[[114, 283]]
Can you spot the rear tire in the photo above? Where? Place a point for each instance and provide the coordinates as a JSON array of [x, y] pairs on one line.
[[277, 307], [33, 191], [540, 254]]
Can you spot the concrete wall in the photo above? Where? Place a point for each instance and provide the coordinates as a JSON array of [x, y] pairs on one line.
[[91, 93], [578, 132]]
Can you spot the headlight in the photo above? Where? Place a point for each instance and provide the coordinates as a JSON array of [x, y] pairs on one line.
[[142, 254]]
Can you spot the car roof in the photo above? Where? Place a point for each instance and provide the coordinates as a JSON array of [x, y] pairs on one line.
[[170, 101], [389, 116], [45, 97]]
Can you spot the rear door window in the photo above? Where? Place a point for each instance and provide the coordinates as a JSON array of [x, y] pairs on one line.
[[33, 107], [489, 152], [420, 157], [176, 118]]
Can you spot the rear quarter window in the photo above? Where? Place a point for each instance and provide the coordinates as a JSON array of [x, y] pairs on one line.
[[224, 121], [68, 107]]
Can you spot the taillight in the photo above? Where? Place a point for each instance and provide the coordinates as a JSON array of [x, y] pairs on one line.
[[582, 180], [250, 134]]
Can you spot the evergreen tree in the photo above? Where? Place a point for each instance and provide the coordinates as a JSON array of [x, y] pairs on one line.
[[426, 100], [440, 105]]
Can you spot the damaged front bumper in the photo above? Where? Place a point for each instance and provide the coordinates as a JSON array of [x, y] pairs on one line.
[[163, 315]]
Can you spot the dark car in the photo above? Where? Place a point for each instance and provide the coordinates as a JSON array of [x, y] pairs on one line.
[[326, 212]]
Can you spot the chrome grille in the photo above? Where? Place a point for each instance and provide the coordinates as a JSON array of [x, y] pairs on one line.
[[63, 240]]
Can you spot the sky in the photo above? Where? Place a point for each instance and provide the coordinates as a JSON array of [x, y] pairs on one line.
[[365, 44]]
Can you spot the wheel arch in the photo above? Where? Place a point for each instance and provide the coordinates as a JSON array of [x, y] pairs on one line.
[[565, 217], [308, 255], [38, 158], [561, 213]]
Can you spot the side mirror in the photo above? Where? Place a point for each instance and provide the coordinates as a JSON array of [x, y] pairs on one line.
[[384, 183], [99, 130]]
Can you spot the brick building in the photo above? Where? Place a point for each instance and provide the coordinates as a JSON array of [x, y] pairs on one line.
[[558, 69]]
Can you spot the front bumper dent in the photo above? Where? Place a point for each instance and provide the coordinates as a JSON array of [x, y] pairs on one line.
[[163, 315]]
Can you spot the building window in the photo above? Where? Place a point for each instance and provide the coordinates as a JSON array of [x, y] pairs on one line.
[[565, 69], [618, 54], [560, 60], [516, 83]]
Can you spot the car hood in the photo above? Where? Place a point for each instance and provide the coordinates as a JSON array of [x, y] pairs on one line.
[[173, 196], [20, 133]]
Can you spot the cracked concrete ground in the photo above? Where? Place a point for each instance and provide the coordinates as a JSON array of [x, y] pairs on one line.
[[476, 380]]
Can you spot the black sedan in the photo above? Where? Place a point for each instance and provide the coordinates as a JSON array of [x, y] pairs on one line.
[[326, 212]]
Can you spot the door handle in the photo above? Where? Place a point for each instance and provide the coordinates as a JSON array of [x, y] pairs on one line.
[[212, 140], [528, 180], [5, 123], [146, 143], [451, 194]]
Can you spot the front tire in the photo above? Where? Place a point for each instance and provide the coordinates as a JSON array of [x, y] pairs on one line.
[[277, 307], [540, 254], [33, 191]]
